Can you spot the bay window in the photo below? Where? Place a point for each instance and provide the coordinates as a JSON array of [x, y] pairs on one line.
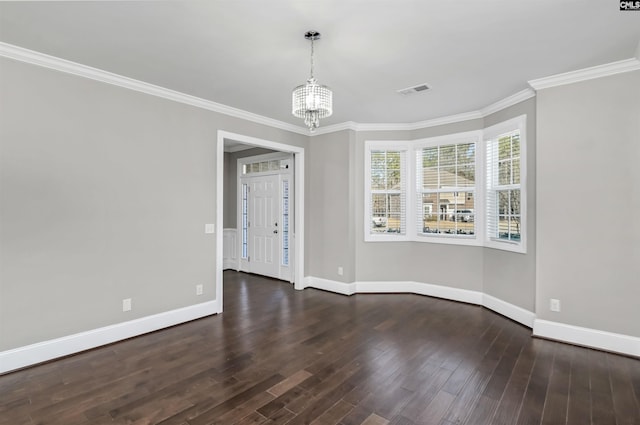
[[465, 188]]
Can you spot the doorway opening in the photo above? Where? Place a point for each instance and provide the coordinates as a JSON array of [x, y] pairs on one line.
[[265, 210], [268, 237]]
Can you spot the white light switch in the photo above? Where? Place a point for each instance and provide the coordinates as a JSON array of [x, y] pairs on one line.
[[209, 228]]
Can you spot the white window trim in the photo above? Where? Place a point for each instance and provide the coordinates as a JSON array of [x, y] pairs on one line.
[[451, 139], [410, 149], [493, 132], [403, 147]]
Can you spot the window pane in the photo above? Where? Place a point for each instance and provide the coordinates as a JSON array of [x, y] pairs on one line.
[[446, 205], [516, 171], [430, 157], [503, 227], [514, 202], [429, 213], [378, 175], [377, 159], [393, 179], [503, 202], [386, 214], [430, 178], [504, 172], [466, 176], [379, 205], [448, 155], [514, 226], [504, 147], [393, 224], [515, 145], [465, 214], [466, 153], [448, 177]]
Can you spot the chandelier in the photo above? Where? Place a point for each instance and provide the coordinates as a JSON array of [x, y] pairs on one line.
[[312, 101]]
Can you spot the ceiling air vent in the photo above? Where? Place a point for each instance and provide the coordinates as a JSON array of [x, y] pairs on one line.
[[415, 89]]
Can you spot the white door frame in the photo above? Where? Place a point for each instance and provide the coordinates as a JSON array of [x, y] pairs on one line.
[[298, 248], [284, 272]]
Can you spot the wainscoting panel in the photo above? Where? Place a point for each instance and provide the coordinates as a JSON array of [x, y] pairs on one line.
[[230, 249]]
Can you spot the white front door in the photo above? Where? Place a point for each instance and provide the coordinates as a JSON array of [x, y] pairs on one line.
[[263, 229]]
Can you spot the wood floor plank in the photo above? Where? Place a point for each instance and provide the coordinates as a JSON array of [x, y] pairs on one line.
[[625, 404], [334, 414], [533, 404], [556, 403], [602, 410], [512, 397], [281, 356], [579, 403]]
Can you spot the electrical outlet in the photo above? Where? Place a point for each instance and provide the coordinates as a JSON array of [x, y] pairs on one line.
[[340, 271], [209, 228], [199, 289], [126, 304], [554, 304]]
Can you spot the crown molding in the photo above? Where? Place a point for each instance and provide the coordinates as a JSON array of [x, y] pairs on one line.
[[347, 125], [466, 116], [62, 65], [40, 59], [508, 101], [598, 71], [350, 125]]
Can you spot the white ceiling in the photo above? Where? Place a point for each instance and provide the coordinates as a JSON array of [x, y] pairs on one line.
[[250, 54]]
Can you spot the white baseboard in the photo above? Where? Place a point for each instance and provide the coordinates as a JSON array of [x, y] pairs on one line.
[[330, 285], [509, 310], [617, 343], [439, 291], [602, 340], [48, 350]]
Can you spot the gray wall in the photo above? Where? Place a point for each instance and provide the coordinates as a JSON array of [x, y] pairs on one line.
[[329, 207], [588, 197], [231, 183], [104, 193], [511, 276]]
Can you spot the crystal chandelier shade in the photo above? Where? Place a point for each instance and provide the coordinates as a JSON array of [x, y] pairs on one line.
[[312, 101]]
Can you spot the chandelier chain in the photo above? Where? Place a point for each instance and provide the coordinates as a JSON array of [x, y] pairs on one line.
[[312, 58]]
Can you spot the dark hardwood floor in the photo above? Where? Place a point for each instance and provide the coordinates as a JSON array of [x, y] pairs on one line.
[[280, 356]]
